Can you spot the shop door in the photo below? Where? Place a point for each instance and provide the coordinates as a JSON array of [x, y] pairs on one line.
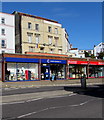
[[45, 70]]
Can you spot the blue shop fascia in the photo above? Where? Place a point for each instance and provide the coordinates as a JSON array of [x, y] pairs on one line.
[[17, 67]]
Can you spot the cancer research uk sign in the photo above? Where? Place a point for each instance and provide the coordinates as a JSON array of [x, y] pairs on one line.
[[52, 61]]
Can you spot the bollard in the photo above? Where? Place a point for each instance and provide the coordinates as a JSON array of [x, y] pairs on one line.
[[83, 81]]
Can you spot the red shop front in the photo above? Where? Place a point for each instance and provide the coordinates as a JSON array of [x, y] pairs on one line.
[[77, 68], [96, 69]]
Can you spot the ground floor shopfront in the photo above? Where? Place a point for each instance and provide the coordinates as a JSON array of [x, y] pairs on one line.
[[52, 69], [96, 69], [29, 68], [92, 69]]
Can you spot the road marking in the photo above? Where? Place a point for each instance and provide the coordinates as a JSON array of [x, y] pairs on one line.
[[22, 101], [32, 113], [57, 107], [33, 99]]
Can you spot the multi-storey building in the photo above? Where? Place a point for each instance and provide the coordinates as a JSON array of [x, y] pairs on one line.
[[99, 48], [74, 52], [37, 34], [7, 33], [65, 42]]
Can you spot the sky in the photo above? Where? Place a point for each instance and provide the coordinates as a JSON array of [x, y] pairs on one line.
[[82, 20]]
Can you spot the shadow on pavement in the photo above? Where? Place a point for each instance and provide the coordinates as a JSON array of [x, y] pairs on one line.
[[95, 91]]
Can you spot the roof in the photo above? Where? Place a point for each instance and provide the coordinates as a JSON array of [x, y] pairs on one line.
[[28, 15], [74, 49], [6, 13]]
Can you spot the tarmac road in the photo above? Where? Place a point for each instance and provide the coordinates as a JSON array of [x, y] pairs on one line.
[[80, 104]]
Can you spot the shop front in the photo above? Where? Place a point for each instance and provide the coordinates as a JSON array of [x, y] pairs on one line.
[[21, 69], [53, 69], [0, 68], [96, 69], [77, 68]]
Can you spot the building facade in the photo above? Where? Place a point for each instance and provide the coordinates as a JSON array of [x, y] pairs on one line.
[[99, 48], [65, 42], [22, 67], [7, 33], [37, 34]]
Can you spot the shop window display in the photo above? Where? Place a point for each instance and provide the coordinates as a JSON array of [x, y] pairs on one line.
[[96, 71], [21, 71], [10, 73], [58, 70], [76, 71]]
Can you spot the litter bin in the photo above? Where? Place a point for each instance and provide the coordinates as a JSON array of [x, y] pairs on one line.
[[83, 81]]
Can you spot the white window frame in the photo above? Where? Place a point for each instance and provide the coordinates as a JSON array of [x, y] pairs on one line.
[[56, 30], [29, 38], [37, 38], [56, 41], [50, 39]]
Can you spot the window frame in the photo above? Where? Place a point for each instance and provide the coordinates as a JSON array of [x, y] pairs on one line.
[[3, 43], [29, 25], [56, 30], [37, 27], [2, 31], [29, 37], [2, 19], [49, 29]]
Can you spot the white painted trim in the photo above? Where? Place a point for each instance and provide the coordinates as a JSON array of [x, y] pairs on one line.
[[52, 23]]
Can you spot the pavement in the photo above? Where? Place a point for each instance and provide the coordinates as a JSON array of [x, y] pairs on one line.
[[43, 94], [28, 84]]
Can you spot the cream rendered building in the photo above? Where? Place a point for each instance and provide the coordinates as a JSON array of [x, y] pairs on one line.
[[37, 34]]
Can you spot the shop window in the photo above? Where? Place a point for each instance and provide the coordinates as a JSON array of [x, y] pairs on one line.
[[58, 70], [21, 71], [2, 20], [29, 25], [76, 71]]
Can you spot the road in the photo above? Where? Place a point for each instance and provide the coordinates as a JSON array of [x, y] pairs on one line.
[[80, 104]]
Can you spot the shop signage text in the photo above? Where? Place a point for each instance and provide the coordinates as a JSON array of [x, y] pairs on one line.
[[53, 61], [77, 62], [28, 60]]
